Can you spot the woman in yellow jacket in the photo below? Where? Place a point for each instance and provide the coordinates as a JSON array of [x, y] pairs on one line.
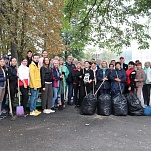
[[35, 84]]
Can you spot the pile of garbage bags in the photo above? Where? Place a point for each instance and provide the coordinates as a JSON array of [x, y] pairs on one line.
[[119, 105]]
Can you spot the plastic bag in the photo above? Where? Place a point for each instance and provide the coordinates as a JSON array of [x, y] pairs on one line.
[[134, 105], [104, 106], [147, 111], [120, 105], [89, 104]]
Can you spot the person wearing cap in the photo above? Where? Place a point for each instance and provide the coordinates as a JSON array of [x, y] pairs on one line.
[[130, 77], [147, 83], [6, 59], [118, 79], [123, 65]]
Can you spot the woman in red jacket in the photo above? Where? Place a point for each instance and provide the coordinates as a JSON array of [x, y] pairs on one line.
[[130, 78]]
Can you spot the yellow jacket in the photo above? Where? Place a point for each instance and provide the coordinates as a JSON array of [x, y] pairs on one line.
[[35, 80]]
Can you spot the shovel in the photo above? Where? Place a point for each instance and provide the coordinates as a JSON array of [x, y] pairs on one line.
[[19, 109]]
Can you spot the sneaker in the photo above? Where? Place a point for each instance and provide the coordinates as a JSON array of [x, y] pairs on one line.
[[34, 113], [64, 106], [46, 111], [51, 111], [4, 111], [38, 112], [1, 117]]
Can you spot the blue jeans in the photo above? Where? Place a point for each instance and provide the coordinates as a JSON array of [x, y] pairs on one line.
[[70, 91], [33, 99], [55, 95]]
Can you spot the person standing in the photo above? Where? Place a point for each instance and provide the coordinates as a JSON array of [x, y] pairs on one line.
[[103, 75], [29, 57], [95, 69], [6, 59], [46, 82], [69, 80], [123, 65], [99, 62], [55, 82], [87, 77], [44, 54], [111, 67], [76, 83], [75, 61], [23, 74], [2, 88], [2, 62], [64, 74], [113, 62], [130, 78], [118, 79], [139, 79], [147, 83], [35, 84], [12, 76]]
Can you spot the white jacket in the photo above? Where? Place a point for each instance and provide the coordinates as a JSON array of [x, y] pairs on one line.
[[23, 72], [148, 76]]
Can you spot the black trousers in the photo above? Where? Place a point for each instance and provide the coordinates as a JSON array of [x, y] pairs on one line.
[[84, 90], [146, 94], [24, 100], [76, 90], [13, 88]]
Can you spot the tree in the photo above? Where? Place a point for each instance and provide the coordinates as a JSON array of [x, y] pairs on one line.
[[28, 24], [110, 24]]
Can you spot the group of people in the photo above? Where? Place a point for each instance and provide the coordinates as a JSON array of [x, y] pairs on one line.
[[55, 77]]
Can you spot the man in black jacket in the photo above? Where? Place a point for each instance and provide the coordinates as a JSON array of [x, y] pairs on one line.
[[123, 65], [69, 80]]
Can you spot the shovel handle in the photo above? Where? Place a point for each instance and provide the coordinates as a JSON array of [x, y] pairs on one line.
[[10, 102]]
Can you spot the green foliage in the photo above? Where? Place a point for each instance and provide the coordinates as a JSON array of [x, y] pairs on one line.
[[29, 24], [108, 23]]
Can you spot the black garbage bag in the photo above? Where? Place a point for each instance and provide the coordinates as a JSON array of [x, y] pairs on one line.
[[120, 107], [134, 105], [89, 104], [104, 106]]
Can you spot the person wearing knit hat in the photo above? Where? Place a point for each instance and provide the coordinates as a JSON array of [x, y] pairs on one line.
[[130, 77], [123, 64]]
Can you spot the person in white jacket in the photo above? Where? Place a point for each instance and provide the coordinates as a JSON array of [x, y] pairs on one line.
[[23, 74], [147, 84]]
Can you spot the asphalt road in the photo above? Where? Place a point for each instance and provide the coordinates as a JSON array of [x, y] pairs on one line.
[[67, 130]]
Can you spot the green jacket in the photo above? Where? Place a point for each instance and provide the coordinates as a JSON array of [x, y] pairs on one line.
[[63, 83]]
